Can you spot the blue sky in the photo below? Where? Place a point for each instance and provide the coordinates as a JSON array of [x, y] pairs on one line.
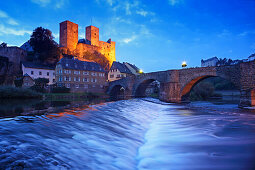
[[153, 34]]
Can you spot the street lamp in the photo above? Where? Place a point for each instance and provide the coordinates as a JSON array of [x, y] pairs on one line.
[[184, 64]]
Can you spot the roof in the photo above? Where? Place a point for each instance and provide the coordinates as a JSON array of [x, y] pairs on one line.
[[134, 67], [75, 64], [121, 67], [210, 59], [36, 65]]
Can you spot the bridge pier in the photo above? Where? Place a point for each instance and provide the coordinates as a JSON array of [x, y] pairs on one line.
[[170, 92], [247, 98]]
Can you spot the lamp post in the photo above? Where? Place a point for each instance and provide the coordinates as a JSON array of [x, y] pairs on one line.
[[184, 64]]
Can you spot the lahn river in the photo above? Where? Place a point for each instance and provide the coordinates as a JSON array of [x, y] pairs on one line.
[[131, 134]]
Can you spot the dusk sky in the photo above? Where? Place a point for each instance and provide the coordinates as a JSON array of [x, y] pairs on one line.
[[152, 34]]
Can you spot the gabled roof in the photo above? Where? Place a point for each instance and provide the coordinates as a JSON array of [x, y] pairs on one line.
[[36, 65], [134, 67], [75, 64], [121, 67]]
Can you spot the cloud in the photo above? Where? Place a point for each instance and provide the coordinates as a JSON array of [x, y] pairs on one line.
[[144, 13], [8, 19], [12, 22], [224, 33], [42, 3], [174, 2], [7, 30], [3, 14], [128, 40], [54, 3], [55, 35]]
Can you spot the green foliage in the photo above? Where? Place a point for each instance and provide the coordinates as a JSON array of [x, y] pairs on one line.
[[202, 91], [8, 92], [98, 58], [60, 90], [18, 82], [44, 46]]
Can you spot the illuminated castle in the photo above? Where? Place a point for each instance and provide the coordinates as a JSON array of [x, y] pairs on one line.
[[69, 43]]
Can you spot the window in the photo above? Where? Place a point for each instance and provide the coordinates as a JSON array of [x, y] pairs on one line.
[[67, 79], [48, 73], [101, 86], [76, 85], [40, 73], [60, 71], [66, 65], [93, 86], [53, 73], [112, 75], [76, 72], [67, 85], [95, 80], [86, 86], [85, 73], [60, 78], [53, 80], [32, 72], [85, 80]]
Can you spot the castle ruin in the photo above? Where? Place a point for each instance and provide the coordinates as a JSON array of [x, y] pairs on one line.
[[69, 43]]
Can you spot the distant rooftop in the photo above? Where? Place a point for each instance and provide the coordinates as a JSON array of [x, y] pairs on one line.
[[75, 64], [121, 67], [36, 65]]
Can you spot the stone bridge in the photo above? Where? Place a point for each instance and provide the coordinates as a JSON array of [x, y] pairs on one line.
[[175, 85]]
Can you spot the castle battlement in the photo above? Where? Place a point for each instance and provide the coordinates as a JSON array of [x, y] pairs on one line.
[[69, 43]]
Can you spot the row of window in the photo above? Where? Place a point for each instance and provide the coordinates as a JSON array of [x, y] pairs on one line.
[[118, 75], [66, 78], [82, 86], [83, 72], [40, 73], [76, 66]]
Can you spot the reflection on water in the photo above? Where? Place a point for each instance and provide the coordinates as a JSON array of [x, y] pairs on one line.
[[131, 134], [12, 108]]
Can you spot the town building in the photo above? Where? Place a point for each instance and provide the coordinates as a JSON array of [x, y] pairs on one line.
[[251, 57], [120, 70], [209, 62], [38, 71], [27, 81], [80, 76], [69, 43]]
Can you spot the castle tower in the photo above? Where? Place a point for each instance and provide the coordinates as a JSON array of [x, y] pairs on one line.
[[68, 35], [92, 34]]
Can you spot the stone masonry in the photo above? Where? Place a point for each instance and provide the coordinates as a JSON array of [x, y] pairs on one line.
[[68, 42], [175, 85]]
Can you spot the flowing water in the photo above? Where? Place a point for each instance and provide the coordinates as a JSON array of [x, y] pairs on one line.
[[131, 134]]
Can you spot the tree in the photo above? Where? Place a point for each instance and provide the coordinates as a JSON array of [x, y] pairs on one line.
[[98, 58], [44, 46], [41, 82], [3, 45]]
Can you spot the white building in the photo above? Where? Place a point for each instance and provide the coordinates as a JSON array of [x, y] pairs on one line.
[[38, 71], [251, 57], [209, 62], [120, 70]]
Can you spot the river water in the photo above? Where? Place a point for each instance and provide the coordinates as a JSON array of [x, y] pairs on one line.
[[131, 134]]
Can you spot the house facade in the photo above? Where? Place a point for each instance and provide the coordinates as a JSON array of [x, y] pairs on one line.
[[120, 70], [80, 76], [209, 62], [38, 71]]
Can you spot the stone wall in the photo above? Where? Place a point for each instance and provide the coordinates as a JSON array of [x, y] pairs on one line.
[[68, 35], [68, 41]]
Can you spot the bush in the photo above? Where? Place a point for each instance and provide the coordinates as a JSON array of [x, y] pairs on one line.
[[60, 90], [8, 92], [38, 89]]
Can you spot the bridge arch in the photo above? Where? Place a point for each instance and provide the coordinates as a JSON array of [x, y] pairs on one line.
[[117, 92], [140, 88], [191, 83]]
